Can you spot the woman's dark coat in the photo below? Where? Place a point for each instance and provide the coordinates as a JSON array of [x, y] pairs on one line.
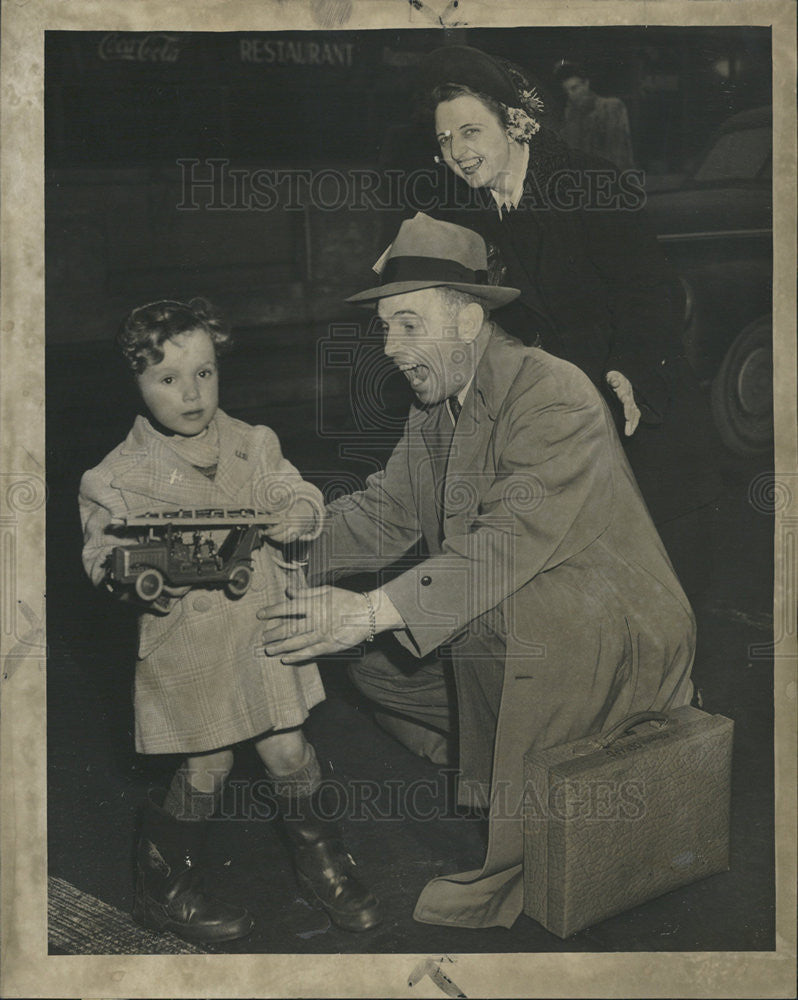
[[597, 291]]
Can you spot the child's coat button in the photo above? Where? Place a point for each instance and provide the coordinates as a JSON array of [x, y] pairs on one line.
[[201, 603]]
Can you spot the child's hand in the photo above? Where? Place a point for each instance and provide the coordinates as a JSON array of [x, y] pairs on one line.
[[299, 520], [162, 604]]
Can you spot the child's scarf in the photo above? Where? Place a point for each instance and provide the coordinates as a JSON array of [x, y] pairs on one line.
[[201, 450]]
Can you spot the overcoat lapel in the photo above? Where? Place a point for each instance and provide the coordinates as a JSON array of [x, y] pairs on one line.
[[435, 439], [436, 433], [494, 376], [471, 436], [161, 474], [236, 458]]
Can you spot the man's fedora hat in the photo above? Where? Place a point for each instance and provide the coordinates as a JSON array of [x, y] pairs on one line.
[[428, 253]]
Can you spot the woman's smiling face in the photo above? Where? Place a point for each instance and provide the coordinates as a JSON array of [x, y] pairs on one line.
[[473, 141]]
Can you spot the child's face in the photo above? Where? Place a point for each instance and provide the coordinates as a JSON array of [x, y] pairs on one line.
[[182, 390]]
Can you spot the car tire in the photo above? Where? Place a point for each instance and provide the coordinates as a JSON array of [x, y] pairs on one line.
[[239, 581], [149, 584], [742, 391]]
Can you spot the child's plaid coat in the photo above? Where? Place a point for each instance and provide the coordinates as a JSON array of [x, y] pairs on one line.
[[202, 678]]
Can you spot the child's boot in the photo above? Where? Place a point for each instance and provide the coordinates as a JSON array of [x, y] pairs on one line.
[[169, 883], [323, 865]]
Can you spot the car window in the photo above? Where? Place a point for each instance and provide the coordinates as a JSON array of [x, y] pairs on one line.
[[736, 156]]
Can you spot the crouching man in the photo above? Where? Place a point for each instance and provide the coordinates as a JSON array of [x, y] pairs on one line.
[[546, 580]]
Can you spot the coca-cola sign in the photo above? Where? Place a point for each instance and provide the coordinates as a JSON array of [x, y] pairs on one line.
[[131, 47]]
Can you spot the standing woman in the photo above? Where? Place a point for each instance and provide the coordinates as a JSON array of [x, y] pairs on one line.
[[565, 228]]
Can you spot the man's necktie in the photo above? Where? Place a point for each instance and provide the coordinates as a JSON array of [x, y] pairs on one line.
[[456, 407]]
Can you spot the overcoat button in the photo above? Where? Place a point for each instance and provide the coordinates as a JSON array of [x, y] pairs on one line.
[[426, 581], [201, 603]]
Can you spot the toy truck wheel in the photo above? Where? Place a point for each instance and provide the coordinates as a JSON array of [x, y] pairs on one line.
[[149, 584], [239, 581]]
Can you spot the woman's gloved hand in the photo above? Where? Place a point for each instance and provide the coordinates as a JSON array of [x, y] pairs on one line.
[[622, 388]]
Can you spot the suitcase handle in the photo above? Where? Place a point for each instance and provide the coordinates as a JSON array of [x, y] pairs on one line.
[[629, 723]]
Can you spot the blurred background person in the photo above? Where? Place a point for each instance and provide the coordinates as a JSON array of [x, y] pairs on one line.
[[594, 124]]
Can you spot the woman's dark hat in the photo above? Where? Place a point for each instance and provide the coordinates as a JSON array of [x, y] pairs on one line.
[[468, 67], [428, 253]]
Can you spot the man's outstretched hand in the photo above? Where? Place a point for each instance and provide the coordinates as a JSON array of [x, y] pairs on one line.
[[314, 622]]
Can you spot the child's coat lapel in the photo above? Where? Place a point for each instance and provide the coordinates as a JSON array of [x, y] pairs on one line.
[[161, 474]]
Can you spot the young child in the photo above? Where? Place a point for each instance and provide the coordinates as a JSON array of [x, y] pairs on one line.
[[203, 681]]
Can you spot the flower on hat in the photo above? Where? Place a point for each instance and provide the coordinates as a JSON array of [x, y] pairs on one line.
[[521, 121], [531, 101], [520, 126]]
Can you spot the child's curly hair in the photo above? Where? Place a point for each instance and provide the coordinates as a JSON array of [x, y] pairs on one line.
[[143, 333]]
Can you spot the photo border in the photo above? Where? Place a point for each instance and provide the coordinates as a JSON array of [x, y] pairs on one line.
[[27, 970]]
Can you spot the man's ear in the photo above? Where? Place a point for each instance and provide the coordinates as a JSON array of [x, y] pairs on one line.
[[469, 322]]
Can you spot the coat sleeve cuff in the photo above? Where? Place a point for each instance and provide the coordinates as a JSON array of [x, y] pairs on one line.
[[316, 512], [433, 603]]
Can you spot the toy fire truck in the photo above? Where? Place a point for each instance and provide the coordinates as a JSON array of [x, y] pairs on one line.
[[183, 547]]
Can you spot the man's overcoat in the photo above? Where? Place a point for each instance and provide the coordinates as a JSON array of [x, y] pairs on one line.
[[543, 542]]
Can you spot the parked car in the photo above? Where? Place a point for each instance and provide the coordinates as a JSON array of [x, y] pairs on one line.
[[717, 229]]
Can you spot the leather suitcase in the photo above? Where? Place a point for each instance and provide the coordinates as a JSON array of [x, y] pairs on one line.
[[619, 818]]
